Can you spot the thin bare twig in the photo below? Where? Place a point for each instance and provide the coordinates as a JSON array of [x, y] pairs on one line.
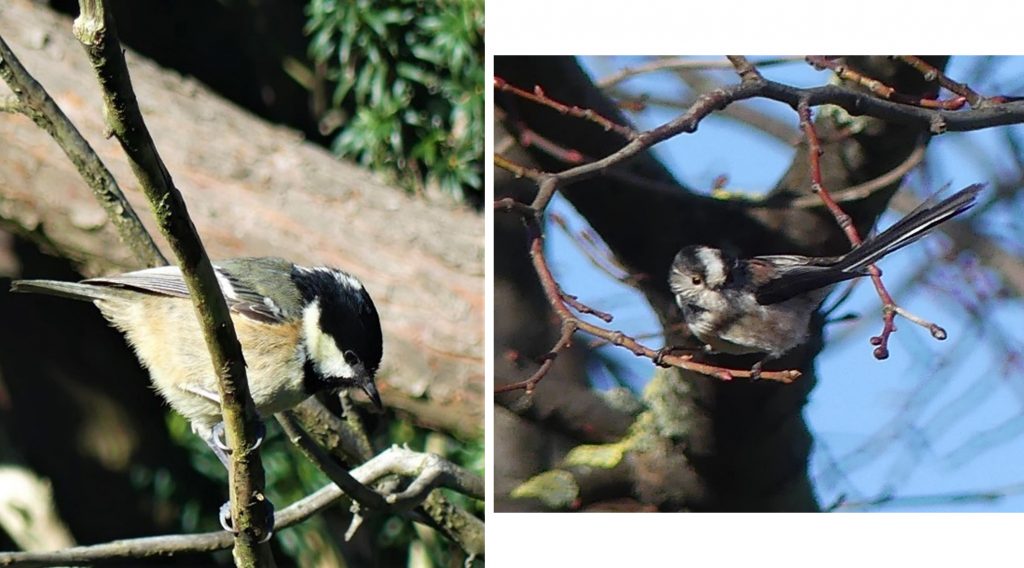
[[680, 64], [929, 501], [744, 68], [359, 493], [427, 470], [889, 307], [862, 190], [516, 169], [930, 73], [881, 89], [547, 360], [539, 97]]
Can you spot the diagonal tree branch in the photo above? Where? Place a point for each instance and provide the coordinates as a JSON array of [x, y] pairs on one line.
[[359, 493], [96, 30]]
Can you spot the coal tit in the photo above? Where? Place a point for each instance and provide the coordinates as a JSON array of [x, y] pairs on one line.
[[302, 331], [764, 304]]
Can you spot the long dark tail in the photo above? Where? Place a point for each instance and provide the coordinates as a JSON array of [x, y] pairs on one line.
[[72, 290], [915, 225]]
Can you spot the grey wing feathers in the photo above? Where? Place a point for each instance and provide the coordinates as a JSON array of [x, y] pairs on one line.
[[257, 279], [797, 275], [800, 280], [71, 290], [163, 281], [167, 281], [244, 283]]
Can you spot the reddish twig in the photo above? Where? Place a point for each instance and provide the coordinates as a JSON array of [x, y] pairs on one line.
[[676, 327], [889, 307], [516, 169], [529, 137], [509, 204], [930, 73], [814, 153], [564, 341], [574, 303], [881, 89], [539, 97]]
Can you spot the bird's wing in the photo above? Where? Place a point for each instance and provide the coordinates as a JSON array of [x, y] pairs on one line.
[[167, 281], [796, 275]]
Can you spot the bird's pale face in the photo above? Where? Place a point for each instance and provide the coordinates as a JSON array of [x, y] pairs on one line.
[[697, 275]]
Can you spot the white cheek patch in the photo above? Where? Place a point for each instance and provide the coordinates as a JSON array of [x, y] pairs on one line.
[[712, 263], [320, 347]]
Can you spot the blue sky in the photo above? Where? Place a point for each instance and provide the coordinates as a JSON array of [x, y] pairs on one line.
[[936, 417]]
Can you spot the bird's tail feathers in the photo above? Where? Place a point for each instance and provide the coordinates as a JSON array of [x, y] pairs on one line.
[[72, 290], [915, 225]]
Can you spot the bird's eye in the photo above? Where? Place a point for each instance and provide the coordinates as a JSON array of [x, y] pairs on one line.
[[696, 280], [351, 358]]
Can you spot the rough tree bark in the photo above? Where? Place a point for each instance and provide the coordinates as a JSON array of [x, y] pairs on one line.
[[740, 445]]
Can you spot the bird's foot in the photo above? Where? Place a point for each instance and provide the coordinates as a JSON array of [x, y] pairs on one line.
[[659, 357], [755, 371], [225, 519], [219, 436]]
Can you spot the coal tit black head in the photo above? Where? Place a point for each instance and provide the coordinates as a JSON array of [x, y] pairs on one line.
[[340, 331]]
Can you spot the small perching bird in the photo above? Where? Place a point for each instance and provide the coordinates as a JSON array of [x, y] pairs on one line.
[[302, 331], [764, 304]]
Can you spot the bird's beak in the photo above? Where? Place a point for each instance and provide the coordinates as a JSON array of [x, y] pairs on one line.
[[370, 388]]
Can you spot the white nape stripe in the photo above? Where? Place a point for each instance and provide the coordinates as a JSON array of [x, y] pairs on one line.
[[347, 280], [343, 279], [714, 269], [320, 347]]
